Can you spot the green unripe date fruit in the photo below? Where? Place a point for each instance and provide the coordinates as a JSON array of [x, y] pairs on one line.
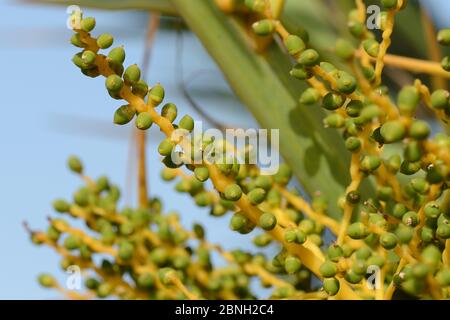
[[76, 40], [132, 74], [292, 264], [267, 221], [87, 24], [165, 147], [61, 206], [72, 242], [104, 41], [126, 250], [370, 163], [331, 286], [432, 210], [156, 94], [419, 130], [117, 55], [294, 44], [411, 218], [408, 100], [233, 192], [201, 173], [346, 83], [46, 280], [389, 4], [388, 240], [309, 58], [75, 165], [393, 131], [372, 47], [344, 49], [443, 37], [357, 230], [310, 96], [186, 123], [300, 72], [124, 114], [334, 120], [140, 88], [440, 99], [445, 64], [263, 27], [328, 269], [144, 121], [332, 101], [114, 83]]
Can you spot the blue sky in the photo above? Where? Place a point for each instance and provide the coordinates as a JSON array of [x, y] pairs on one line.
[[51, 111]]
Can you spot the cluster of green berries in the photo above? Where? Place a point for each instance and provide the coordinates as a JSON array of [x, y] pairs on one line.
[[405, 222]]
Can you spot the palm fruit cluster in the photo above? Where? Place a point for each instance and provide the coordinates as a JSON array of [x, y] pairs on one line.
[[401, 230]]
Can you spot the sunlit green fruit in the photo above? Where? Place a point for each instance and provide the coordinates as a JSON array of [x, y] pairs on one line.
[[443, 231], [47, 280], [114, 83], [292, 264], [105, 40], [331, 286], [87, 24], [169, 111], [328, 269], [389, 4], [61, 206], [166, 147], [104, 290], [353, 108], [117, 55], [75, 165], [186, 123], [126, 250], [410, 218], [72, 242], [263, 27], [233, 192], [309, 58], [144, 121], [408, 100], [300, 72], [443, 37], [76, 40], [357, 230], [201, 173], [132, 74], [410, 168], [140, 89], [124, 114], [294, 44], [345, 82], [370, 163], [393, 131], [334, 120], [352, 277], [332, 101], [432, 210], [404, 233], [146, 280], [440, 99], [372, 47], [388, 240], [445, 64], [431, 255], [419, 130], [344, 49], [310, 96], [267, 221], [420, 185]]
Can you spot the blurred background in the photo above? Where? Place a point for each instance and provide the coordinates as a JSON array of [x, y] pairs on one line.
[[51, 111]]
